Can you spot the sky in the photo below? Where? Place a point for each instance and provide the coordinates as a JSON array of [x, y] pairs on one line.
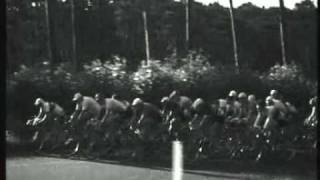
[[266, 3]]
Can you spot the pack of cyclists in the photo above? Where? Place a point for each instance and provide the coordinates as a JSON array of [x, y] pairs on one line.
[[105, 125]]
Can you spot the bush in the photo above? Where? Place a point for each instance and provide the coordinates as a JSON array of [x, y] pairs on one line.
[[108, 77], [159, 79], [193, 76], [291, 82], [154, 81], [23, 86]]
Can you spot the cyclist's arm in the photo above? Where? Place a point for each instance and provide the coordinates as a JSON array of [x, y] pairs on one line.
[[312, 115], [106, 114], [81, 113], [77, 112], [204, 120], [43, 119], [141, 118], [314, 112], [270, 117], [40, 114], [258, 120]]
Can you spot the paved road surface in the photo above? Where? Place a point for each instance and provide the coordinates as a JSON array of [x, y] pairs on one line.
[[46, 168]]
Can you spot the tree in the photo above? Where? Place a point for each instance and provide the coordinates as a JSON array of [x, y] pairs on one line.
[[74, 40], [187, 25], [305, 5], [49, 41], [116, 28], [283, 33], [234, 38], [146, 35]]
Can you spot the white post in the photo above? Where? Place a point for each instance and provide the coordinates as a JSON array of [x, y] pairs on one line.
[[177, 160]]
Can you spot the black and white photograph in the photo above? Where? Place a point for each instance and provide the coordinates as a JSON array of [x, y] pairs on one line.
[[161, 90]]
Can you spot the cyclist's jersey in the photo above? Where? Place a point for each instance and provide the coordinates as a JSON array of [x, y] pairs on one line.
[[53, 108], [222, 105], [56, 109], [276, 114], [181, 102], [115, 106], [232, 109], [151, 119], [206, 111], [252, 110], [181, 105], [280, 105], [272, 117], [243, 110], [46, 107], [260, 118], [151, 111], [291, 108], [184, 102], [201, 107], [90, 105], [237, 107]]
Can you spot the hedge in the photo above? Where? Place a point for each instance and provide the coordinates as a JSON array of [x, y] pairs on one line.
[[193, 76]]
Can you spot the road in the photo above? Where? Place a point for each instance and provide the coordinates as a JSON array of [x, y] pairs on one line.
[[48, 168]]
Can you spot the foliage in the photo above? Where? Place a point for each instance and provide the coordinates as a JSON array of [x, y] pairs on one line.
[[291, 82], [193, 76], [289, 72], [108, 77], [156, 80], [115, 27], [159, 79]]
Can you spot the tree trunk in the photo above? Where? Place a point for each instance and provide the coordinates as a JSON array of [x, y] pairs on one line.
[[74, 40], [234, 39], [307, 59], [187, 26], [146, 36], [283, 33], [49, 47]]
